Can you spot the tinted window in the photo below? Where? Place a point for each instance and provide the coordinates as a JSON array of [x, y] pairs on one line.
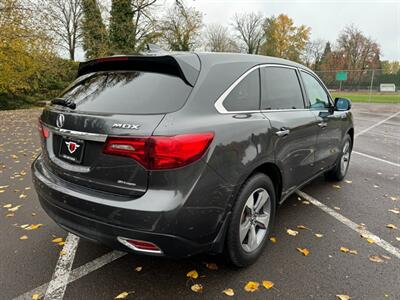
[[128, 92], [315, 92], [246, 95], [280, 89]]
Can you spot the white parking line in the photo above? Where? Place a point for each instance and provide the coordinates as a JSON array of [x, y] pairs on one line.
[[377, 124], [377, 158], [378, 241], [77, 273], [59, 281]]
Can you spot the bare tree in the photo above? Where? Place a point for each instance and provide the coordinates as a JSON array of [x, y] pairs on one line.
[[181, 26], [63, 19], [312, 54], [250, 30], [144, 24], [218, 39]]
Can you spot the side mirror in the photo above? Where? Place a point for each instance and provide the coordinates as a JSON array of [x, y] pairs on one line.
[[342, 104]]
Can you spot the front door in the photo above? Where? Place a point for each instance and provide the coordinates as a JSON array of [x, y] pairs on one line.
[[294, 127]]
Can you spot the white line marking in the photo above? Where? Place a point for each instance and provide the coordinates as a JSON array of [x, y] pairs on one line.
[[378, 241], [377, 124], [377, 158], [77, 273], [59, 281]]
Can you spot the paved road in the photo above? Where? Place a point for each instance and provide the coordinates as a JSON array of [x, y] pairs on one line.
[[372, 188]]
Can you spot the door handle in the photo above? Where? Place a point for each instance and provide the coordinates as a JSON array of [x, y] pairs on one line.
[[283, 132], [322, 124]]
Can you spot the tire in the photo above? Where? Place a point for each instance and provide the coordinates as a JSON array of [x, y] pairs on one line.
[[343, 161], [242, 248]]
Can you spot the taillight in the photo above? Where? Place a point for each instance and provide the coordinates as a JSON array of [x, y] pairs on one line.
[[43, 131], [161, 152]]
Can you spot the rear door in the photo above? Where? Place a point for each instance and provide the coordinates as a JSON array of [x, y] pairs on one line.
[[328, 122], [294, 127], [108, 103]]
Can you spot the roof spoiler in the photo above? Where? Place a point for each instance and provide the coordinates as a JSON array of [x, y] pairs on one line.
[[185, 66]]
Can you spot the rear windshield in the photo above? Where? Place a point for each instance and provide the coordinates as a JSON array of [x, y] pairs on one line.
[[128, 93]]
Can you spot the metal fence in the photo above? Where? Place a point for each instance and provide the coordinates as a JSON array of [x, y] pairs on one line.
[[368, 81]]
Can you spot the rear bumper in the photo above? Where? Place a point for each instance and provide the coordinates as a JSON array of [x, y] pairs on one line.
[[70, 211]]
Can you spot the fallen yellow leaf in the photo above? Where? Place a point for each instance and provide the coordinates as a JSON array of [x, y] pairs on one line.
[[61, 243], [292, 232], [212, 266], [343, 297], [123, 295], [336, 186], [391, 226], [197, 288], [348, 181], [36, 296], [22, 196], [354, 252], [24, 226], [398, 238], [272, 239], [15, 208], [375, 258], [229, 292], [9, 215], [62, 253], [7, 205], [304, 251], [251, 286], [305, 202], [344, 249], [24, 237], [395, 211], [57, 240], [394, 198], [192, 274], [138, 269], [319, 235], [33, 226], [303, 227], [267, 284]]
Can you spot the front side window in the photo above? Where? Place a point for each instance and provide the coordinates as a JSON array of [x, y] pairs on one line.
[[316, 93], [280, 89], [246, 95]]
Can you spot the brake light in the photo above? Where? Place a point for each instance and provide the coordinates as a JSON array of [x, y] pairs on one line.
[[43, 131], [161, 152]]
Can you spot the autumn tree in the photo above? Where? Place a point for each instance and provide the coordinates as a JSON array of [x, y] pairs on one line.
[[248, 27], [359, 51], [94, 32], [181, 26], [62, 18], [218, 39], [284, 39]]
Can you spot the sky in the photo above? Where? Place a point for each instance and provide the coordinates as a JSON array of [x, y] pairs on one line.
[[378, 19]]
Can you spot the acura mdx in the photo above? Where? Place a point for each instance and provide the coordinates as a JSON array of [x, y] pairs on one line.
[[182, 153]]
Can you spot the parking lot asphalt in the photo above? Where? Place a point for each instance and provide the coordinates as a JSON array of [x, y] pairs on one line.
[[369, 197]]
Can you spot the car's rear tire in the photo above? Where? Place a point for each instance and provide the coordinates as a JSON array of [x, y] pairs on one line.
[[343, 161], [252, 218]]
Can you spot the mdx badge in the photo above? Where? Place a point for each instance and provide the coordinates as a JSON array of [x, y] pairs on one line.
[[125, 126]]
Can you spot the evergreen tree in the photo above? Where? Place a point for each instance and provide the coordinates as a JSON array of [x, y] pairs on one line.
[[327, 52], [94, 32], [121, 27]]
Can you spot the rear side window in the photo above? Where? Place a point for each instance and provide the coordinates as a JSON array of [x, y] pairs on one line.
[[128, 93], [316, 93], [280, 89], [246, 95]]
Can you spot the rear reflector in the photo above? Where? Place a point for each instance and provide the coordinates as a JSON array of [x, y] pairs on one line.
[[141, 246], [43, 131], [161, 152]]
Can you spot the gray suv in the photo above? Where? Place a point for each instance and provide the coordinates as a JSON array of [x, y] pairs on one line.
[[186, 153]]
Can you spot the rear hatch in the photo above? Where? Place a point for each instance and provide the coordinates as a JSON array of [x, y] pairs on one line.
[[113, 97]]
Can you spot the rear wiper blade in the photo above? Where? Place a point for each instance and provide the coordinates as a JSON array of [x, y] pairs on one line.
[[64, 102]]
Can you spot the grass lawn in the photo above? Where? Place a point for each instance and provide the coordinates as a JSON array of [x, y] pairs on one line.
[[364, 97]]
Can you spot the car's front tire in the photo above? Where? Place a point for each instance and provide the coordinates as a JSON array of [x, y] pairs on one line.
[[343, 161], [252, 218]]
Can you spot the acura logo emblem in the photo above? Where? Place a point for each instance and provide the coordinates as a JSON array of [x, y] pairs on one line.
[[60, 120]]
